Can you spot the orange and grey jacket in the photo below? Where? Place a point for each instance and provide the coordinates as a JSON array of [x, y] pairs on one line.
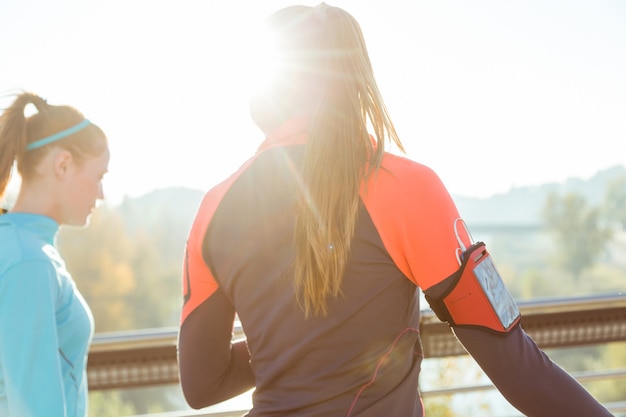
[[364, 358]]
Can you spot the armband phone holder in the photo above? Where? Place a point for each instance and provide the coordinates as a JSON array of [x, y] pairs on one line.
[[475, 295]]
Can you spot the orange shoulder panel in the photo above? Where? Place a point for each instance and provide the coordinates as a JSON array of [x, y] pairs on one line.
[[414, 215], [198, 280]]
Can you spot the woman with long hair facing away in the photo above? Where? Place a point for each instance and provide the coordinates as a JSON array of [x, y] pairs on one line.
[[320, 244], [45, 324]]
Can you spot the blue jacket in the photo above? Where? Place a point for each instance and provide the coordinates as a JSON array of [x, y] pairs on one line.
[[45, 324]]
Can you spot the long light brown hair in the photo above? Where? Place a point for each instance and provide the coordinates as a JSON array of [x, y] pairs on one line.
[[17, 131], [326, 72]]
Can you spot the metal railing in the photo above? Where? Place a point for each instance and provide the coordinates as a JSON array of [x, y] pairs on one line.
[[149, 357]]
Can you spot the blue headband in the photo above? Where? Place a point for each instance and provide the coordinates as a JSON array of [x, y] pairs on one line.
[[53, 138]]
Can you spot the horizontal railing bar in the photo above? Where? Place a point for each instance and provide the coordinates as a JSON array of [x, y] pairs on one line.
[[148, 357], [550, 322], [134, 338], [616, 407], [167, 335], [613, 407], [560, 304], [197, 413], [581, 376], [587, 376]]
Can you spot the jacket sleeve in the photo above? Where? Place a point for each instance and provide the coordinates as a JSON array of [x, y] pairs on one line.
[[212, 369], [29, 348], [526, 377], [420, 238]]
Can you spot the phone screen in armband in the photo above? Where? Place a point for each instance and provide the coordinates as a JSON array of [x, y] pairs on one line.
[[492, 285]]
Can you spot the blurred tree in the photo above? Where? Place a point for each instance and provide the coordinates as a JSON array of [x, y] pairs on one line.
[[127, 281], [614, 208], [99, 259], [535, 283], [581, 236], [439, 406], [615, 356], [109, 404], [448, 372], [128, 285], [157, 299], [158, 224]]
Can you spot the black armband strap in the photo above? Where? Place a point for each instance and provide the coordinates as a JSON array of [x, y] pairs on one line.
[[475, 295]]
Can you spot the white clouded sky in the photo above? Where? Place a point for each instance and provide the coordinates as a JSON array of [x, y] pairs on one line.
[[491, 94]]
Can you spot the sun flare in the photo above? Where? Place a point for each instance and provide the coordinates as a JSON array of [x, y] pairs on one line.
[[264, 59]]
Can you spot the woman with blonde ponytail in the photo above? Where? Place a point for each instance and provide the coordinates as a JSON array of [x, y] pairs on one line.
[[320, 243], [45, 324]]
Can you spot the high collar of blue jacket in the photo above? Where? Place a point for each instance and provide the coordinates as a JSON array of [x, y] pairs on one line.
[[43, 226]]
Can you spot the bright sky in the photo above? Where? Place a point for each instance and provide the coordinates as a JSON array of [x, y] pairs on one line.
[[491, 94]]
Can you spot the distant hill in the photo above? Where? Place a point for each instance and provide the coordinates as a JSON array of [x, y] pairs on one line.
[[165, 215], [175, 208], [523, 205]]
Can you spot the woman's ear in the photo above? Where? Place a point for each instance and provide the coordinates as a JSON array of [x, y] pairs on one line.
[[62, 163]]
